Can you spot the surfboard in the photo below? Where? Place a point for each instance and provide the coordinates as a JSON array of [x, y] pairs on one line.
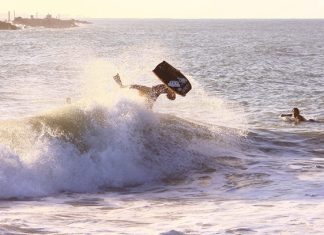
[[173, 78]]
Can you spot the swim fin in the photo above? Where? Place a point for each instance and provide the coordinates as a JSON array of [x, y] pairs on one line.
[[118, 80]]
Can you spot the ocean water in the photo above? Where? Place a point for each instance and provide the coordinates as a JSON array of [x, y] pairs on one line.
[[218, 161]]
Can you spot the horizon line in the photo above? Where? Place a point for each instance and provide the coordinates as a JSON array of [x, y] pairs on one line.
[[195, 18], [171, 18]]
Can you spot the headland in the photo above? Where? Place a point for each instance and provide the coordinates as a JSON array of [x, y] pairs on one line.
[[48, 22], [7, 26]]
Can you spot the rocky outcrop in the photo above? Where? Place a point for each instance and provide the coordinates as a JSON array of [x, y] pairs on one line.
[[7, 26], [47, 22]]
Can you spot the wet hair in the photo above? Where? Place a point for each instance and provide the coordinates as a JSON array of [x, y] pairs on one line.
[[171, 95], [295, 110]]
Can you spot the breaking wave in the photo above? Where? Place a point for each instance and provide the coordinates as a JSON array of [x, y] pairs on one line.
[[88, 148]]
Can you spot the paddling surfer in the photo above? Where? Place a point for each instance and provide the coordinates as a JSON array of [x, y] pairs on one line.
[[150, 93], [296, 117]]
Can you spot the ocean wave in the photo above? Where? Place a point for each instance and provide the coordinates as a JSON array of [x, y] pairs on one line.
[[95, 147]]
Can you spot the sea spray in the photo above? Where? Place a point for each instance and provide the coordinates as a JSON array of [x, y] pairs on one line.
[[86, 149]]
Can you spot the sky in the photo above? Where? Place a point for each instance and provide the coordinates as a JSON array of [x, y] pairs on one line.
[[184, 9]]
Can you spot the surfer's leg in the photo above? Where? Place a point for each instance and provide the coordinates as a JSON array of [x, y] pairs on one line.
[[143, 90], [118, 80]]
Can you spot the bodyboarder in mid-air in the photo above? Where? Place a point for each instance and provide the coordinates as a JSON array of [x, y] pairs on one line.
[[150, 93]]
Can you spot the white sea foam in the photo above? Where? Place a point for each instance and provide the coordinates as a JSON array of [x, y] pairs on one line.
[[89, 148], [107, 138]]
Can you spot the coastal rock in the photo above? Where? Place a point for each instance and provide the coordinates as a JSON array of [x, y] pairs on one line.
[[7, 26], [48, 22]]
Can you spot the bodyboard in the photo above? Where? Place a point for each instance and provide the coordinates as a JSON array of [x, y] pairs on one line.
[[173, 78]]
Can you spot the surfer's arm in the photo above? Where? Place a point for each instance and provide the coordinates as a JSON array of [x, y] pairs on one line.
[[286, 115], [163, 89]]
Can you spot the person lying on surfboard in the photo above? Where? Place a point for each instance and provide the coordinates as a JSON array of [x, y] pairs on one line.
[[296, 117], [150, 93]]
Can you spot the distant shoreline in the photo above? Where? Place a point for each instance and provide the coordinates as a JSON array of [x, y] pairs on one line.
[[48, 22], [7, 26]]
